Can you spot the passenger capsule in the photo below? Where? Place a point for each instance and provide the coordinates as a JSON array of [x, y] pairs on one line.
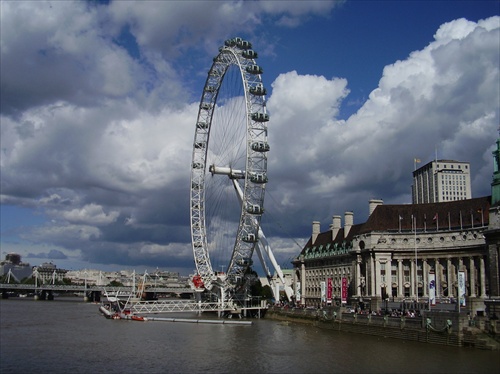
[[260, 146], [258, 90], [260, 117], [230, 42], [255, 209], [250, 238], [254, 69], [259, 178], [246, 261], [249, 53], [244, 44]]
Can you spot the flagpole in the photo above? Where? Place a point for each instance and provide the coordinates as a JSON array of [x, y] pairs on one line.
[[414, 224]]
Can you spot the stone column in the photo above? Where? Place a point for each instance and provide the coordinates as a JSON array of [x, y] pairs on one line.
[[448, 278], [400, 279], [303, 283], [372, 276], [482, 276], [472, 277], [459, 268], [425, 277], [438, 272], [413, 272], [294, 280], [358, 277], [377, 278]]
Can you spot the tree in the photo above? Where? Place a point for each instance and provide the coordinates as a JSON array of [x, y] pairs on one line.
[[115, 283]]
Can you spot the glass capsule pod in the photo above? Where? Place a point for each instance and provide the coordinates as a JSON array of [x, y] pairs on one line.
[[249, 238], [260, 117], [259, 178], [258, 90], [254, 209], [244, 44], [254, 69], [249, 53], [260, 146], [245, 261]]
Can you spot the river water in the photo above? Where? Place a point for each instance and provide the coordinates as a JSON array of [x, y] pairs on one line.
[[69, 336]]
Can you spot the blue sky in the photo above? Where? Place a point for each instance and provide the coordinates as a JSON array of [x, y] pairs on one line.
[[99, 101]]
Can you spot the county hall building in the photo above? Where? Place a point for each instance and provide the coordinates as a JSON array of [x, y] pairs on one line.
[[408, 252]]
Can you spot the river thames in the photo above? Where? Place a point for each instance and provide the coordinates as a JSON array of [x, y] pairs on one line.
[[70, 336]]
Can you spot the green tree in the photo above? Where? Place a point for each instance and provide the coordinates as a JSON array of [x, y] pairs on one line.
[[115, 283]]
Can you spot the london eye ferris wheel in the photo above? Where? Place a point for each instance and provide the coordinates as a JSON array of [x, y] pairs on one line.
[[229, 168]]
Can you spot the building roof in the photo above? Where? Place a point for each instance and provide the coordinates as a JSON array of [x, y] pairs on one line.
[[454, 214], [447, 215]]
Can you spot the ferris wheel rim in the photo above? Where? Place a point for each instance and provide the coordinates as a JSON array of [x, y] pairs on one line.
[[235, 53]]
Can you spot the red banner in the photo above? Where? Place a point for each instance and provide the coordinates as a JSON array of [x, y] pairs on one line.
[[344, 290], [329, 291]]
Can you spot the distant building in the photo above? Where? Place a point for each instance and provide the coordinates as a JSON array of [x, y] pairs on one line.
[[275, 280], [19, 270], [126, 277], [49, 273], [441, 181]]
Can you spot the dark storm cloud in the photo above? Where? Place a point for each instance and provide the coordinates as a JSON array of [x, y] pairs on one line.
[[98, 138]]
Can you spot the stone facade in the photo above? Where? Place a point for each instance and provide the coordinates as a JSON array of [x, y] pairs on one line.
[[393, 254], [410, 253]]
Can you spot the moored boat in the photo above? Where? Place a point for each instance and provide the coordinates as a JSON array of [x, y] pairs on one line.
[[137, 318], [106, 311]]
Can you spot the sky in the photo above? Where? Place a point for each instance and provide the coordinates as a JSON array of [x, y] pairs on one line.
[[99, 102]]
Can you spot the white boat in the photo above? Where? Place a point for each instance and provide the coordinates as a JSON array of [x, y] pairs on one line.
[[106, 311]]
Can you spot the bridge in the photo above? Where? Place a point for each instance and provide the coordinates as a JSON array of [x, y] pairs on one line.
[[93, 292]]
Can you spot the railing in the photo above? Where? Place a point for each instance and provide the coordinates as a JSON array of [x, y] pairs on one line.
[[170, 306]]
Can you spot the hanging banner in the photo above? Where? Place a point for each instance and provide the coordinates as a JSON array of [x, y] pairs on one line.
[[329, 290], [461, 288], [432, 288], [344, 290], [297, 293], [323, 291]]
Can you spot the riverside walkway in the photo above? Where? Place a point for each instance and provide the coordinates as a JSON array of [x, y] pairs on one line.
[[436, 326]]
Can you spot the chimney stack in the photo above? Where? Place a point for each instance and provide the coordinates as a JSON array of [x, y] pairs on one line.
[[315, 231], [335, 226], [373, 203], [348, 222]]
